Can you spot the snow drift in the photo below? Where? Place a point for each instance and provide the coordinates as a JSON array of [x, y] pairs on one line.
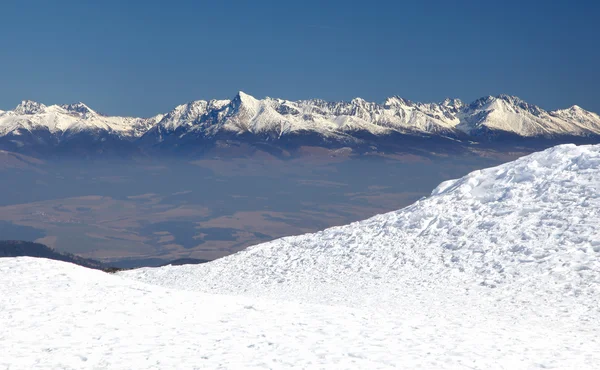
[[499, 269], [528, 226]]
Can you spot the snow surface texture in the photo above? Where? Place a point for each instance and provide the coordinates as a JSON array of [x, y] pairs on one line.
[[56, 315], [497, 270], [334, 120], [512, 249], [527, 226]]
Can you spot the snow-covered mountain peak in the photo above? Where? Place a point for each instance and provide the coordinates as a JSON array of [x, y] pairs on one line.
[[243, 96], [452, 103], [244, 109], [66, 122], [79, 108], [512, 99], [486, 118], [183, 115], [574, 111], [396, 101], [481, 102], [29, 107], [517, 103], [501, 101], [246, 100], [358, 101], [192, 109], [218, 103], [587, 121]]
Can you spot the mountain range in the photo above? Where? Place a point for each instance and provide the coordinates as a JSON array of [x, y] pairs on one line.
[[199, 125]]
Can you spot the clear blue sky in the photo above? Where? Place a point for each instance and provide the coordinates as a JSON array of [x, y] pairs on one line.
[[144, 57]]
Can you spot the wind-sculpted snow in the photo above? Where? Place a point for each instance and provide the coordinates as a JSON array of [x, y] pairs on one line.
[[528, 227], [510, 249], [272, 119]]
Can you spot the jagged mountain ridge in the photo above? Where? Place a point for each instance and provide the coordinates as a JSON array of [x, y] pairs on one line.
[[68, 119], [272, 119]]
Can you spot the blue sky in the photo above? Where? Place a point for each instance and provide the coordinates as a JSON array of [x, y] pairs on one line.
[[144, 57]]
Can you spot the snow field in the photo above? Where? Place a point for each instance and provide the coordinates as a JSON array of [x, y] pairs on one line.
[[497, 270]]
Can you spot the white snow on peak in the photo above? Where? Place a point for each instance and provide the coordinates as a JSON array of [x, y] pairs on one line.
[[185, 114], [242, 96], [29, 107], [276, 117], [513, 115], [503, 113], [396, 101], [452, 102], [69, 119], [80, 108], [587, 121]]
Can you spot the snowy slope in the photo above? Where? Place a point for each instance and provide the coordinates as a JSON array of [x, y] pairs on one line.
[[512, 249], [274, 118], [55, 315], [497, 270], [529, 226], [503, 248]]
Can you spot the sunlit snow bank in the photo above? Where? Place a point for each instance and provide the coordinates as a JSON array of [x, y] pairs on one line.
[[499, 269], [525, 230], [55, 315]]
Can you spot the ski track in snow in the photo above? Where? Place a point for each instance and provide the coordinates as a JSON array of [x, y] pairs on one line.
[[497, 270]]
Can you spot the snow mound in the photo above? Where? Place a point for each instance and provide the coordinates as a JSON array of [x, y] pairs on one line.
[[528, 228]]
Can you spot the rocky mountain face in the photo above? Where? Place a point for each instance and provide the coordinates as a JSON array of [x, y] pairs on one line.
[[32, 126]]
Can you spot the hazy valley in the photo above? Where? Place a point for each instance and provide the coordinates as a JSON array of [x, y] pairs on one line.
[[146, 212]]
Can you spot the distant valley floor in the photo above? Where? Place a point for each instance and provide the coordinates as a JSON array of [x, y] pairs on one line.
[[146, 212]]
